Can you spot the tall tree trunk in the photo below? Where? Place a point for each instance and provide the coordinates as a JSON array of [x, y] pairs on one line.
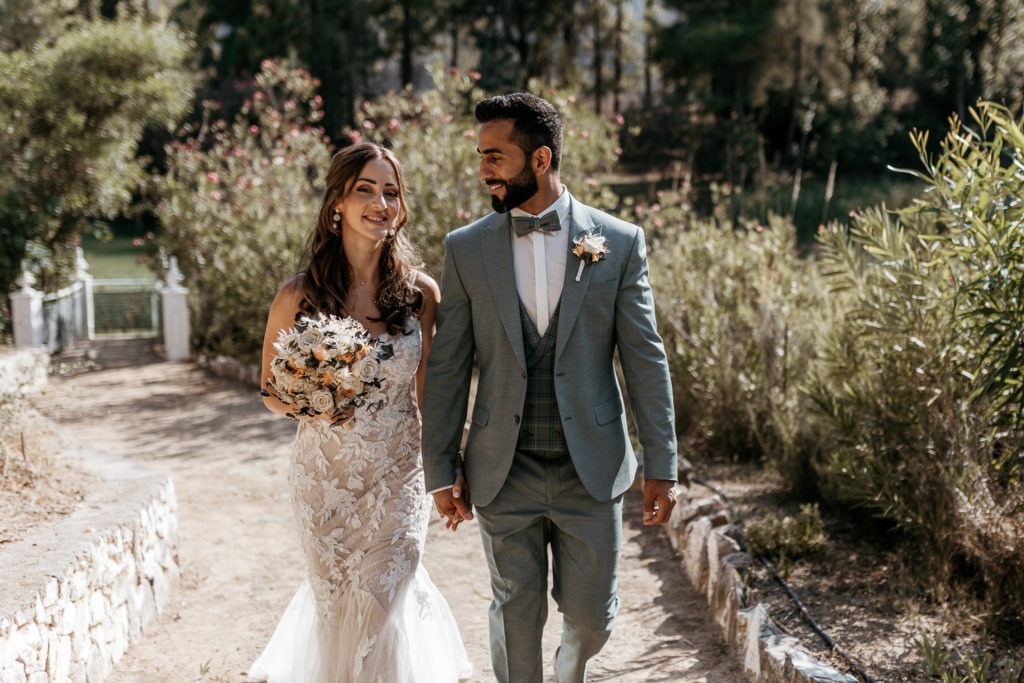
[[598, 62], [617, 57], [407, 43], [794, 108], [648, 51]]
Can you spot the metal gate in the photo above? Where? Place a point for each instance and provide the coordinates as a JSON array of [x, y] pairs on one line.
[[126, 308]]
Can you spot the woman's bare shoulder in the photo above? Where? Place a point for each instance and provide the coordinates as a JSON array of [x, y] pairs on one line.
[[428, 286], [292, 291]]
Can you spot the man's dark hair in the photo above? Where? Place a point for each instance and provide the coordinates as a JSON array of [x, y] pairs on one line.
[[536, 123]]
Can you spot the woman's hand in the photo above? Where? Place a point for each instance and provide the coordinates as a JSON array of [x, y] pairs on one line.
[[340, 417]]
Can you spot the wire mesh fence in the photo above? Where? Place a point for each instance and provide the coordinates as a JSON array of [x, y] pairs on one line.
[[126, 307]]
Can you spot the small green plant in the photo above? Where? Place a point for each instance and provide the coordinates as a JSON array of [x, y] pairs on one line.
[[933, 653], [204, 668], [788, 538]]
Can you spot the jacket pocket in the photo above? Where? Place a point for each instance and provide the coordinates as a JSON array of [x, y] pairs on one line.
[[480, 415], [608, 411]]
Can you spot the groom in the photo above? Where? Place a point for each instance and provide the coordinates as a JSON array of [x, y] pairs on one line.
[[543, 292]]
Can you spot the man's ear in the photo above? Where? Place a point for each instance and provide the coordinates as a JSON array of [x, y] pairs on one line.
[[541, 160]]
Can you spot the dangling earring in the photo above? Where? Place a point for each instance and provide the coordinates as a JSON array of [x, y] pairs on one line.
[[391, 233], [336, 219]]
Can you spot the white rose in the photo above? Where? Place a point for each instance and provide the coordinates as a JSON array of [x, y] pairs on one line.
[[321, 401], [366, 369], [309, 338], [593, 244]]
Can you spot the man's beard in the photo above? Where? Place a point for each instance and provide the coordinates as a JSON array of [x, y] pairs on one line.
[[517, 190]]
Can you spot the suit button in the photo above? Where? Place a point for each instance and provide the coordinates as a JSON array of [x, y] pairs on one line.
[[515, 419], [557, 435]]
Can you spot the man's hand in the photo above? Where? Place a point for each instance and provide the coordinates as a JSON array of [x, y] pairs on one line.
[[659, 499], [454, 503]]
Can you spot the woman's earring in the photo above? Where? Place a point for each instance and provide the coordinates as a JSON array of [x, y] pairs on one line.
[[336, 220], [391, 233]]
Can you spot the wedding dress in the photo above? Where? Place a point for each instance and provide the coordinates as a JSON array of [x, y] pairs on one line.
[[368, 611]]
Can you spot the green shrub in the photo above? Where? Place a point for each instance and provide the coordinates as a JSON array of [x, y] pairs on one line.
[[740, 314], [918, 380], [237, 204], [788, 538]]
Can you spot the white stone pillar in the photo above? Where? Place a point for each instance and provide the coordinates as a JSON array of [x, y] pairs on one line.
[[85, 316], [174, 301], [27, 311]]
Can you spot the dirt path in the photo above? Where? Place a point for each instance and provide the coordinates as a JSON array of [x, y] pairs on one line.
[[240, 559]]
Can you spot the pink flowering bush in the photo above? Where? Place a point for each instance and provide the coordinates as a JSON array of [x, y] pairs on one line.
[[237, 203]]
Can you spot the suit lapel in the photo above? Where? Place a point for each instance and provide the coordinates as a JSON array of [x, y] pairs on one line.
[[573, 292], [496, 244]]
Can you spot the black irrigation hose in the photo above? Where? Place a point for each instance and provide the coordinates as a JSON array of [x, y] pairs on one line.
[[810, 620], [803, 610]]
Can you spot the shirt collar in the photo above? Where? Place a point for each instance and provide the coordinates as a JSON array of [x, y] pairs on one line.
[[560, 205]]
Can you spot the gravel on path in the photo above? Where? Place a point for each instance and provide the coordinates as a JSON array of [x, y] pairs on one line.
[[240, 559]]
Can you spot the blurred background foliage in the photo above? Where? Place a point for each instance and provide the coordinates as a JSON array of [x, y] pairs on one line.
[[856, 329]]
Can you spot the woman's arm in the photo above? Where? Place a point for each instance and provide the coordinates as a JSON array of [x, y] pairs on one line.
[[428, 314], [282, 316]]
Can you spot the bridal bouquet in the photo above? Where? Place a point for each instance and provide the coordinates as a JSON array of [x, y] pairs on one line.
[[326, 364]]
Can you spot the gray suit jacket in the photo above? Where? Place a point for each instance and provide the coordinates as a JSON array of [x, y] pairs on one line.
[[610, 308]]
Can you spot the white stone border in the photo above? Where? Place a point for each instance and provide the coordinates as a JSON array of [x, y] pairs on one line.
[[714, 563], [74, 594]]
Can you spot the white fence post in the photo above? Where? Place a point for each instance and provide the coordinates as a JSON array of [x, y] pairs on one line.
[[85, 311], [174, 300], [27, 311]]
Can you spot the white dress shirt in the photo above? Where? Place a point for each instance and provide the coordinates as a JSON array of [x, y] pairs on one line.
[[539, 262]]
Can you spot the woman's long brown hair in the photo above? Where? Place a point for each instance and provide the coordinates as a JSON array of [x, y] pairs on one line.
[[327, 275]]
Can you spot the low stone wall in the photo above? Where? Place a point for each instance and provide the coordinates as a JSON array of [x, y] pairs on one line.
[[714, 563], [74, 594], [223, 366]]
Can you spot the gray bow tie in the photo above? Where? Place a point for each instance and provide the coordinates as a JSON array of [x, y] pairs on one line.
[[524, 225]]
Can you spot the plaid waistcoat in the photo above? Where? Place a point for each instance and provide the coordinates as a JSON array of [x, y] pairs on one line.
[[541, 426]]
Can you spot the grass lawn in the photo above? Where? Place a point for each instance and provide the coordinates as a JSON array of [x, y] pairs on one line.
[[115, 258]]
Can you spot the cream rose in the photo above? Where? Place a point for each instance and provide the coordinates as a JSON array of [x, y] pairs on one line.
[[321, 401]]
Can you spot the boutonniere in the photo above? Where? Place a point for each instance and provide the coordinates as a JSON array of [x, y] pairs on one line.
[[589, 248]]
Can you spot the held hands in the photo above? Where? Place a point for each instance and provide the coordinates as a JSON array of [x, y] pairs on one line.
[[454, 504], [659, 499]]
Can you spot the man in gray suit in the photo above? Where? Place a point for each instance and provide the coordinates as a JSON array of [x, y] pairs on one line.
[[543, 292]]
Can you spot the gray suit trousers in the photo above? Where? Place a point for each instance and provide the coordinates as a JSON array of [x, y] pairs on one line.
[[544, 504]]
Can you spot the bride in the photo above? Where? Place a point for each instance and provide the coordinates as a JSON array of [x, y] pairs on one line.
[[368, 611]]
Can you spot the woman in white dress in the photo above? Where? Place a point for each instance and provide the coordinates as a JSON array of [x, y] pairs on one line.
[[368, 610]]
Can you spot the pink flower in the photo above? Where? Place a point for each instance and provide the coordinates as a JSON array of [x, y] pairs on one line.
[[215, 195], [660, 193], [259, 97], [393, 125], [585, 134], [319, 100], [468, 133], [659, 222], [213, 177], [369, 125], [266, 64], [617, 151], [289, 105], [355, 137], [572, 98], [148, 235], [474, 76], [590, 181], [136, 241], [655, 207], [619, 119], [759, 228], [254, 129], [295, 132]]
